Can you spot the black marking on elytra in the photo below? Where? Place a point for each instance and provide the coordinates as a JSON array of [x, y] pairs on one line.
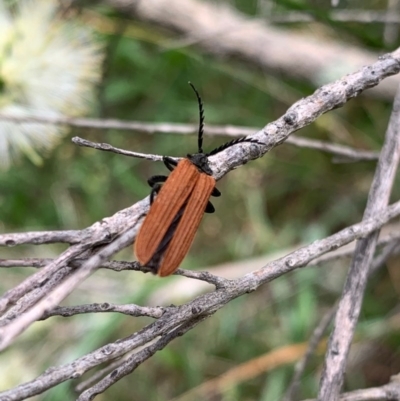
[[155, 261]]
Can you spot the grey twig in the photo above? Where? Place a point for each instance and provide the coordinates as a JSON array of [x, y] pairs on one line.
[[308, 109], [109, 148], [93, 248], [323, 325], [391, 249], [42, 237], [305, 255], [98, 234], [346, 153], [31, 297], [217, 281], [390, 238], [342, 153], [303, 113], [96, 376], [25, 262], [52, 299], [388, 392], [361, 16], [204, 305], [36, 279], [135, 360], [128, 309], [313, 343], [350, 303], [118, 265], [105, 123]]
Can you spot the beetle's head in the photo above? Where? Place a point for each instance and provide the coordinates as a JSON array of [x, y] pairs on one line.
[[200, 160]]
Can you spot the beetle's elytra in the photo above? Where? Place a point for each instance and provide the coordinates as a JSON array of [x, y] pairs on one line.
[[178, 203]]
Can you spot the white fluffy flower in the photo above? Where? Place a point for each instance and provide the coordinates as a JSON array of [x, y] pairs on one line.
[[48, 67]]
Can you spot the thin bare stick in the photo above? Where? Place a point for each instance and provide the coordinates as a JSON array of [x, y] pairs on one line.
[[275, 269], [299, 115], [116, 265], [350, 303], [135, 360], [175, 319], [217, 281], [322, 326], [128, 309], [386, 240], [36, 279], [388, 392], [104, 124], [96, 376], [42, 237], [205, 305], [390, 250], [361, 16], [303, 256], [98, 234], [313, 343], [344, 152], [33, 296], [108, 148], [391, 237], [11, 331], [26, 262]]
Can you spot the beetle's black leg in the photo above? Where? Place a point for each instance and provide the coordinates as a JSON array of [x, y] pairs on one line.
[[169, 163], [154, 191], [156, 179], [209, 208], [155, 183], [215, 192]]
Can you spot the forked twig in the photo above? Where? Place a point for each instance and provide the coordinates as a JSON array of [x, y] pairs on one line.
[[99, 242]]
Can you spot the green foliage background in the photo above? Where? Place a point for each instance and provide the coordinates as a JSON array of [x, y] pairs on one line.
[[289, 197]]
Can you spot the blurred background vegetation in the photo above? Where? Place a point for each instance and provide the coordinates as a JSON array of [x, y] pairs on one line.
[[289, 197]]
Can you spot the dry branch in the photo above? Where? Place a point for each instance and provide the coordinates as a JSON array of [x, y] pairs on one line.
[[349, 15], [204, 305], [353, 293], [345, 153], [327, 318], [99, 242], [388, 392]]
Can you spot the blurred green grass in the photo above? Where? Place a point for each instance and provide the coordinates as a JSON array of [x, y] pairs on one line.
[[289, 197]]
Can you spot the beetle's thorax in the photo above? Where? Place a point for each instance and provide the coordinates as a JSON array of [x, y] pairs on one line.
[[200, 160]]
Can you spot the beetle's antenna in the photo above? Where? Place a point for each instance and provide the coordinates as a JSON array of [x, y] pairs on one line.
[[233, 142], [201, 122]]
